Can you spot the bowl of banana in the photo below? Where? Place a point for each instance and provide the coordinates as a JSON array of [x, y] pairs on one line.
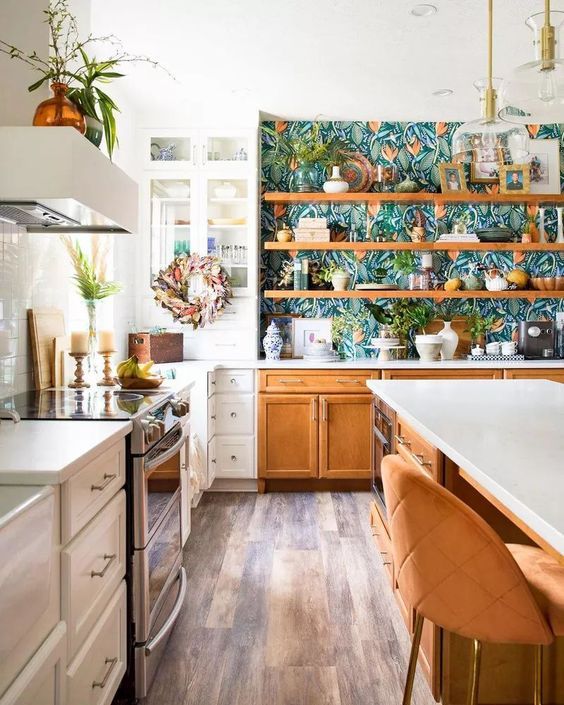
[[134, 375]]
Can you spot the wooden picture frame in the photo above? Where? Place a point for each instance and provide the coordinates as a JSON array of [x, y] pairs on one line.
[[514, 178], [286, 329], [544, 163], [453, 179], [484, 168]]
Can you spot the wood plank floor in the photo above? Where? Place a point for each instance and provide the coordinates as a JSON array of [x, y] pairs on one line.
[[287, 604]]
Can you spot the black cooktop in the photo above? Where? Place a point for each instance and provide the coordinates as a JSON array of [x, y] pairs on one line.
[[79, 404]]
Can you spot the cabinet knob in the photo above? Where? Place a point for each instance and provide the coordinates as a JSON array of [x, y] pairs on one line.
[[233, 458], [232, 380], [212, 417], [233, 415], [420, 458], [402, 441]]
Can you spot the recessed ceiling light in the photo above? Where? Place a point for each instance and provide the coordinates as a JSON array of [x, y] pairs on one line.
[[423, 10], [442, 92]]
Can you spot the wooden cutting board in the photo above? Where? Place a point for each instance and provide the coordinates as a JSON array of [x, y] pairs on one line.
[[45, 324]]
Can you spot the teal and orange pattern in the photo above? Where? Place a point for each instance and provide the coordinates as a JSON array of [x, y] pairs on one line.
[[416, 149]]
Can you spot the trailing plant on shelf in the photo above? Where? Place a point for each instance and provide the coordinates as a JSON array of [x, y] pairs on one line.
[[74, 76]]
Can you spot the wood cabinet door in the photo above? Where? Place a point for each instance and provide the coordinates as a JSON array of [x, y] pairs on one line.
[[461, 373], [345, 435], [288, 435], [551, 374]]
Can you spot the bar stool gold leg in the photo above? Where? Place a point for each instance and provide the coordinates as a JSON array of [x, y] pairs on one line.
[[537, 699], [413, 659], [474, 681]]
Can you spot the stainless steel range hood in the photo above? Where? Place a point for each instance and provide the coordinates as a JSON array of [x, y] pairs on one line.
[[53, 180]]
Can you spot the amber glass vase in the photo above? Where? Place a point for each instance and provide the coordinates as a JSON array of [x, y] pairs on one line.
[[59, 111]]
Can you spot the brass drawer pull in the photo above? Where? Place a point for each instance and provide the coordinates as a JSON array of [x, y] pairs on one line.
[[402, 441], [324, 409], [314, 410], [386, 562], [110, 557], [290, 381], [107, 480], [420, 459], [347, 381], [112, 663]]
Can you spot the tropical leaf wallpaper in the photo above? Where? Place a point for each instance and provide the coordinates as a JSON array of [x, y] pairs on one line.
[[416, 149]]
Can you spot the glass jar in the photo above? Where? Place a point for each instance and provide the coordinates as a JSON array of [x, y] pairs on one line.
[[420, 280]]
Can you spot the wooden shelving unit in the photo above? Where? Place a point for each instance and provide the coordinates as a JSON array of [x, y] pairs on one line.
[[404, 294], [533, 199], [433, 246]]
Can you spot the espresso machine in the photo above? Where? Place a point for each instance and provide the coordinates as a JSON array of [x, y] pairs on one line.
[[537, 340]]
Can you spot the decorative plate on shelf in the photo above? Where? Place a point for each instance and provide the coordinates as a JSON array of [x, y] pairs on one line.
[[358, 172]]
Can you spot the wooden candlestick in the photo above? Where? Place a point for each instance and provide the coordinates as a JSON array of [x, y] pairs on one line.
[[79, 382], [107, 380]]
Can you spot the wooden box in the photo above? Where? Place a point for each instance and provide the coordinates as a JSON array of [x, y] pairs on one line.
[[159, 347]]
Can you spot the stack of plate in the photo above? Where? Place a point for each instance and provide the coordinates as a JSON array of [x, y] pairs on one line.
[[320, 352], [496, 234], [384, 343]]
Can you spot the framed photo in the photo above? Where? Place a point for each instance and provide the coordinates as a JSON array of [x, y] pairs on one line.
[[306, 330], [452, 177], [284, 323], [514, 178], [484, 168], [544, 163]]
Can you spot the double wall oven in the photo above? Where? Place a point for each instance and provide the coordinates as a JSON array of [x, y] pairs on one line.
[[383, 444]]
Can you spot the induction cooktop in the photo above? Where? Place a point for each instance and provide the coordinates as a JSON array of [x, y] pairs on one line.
[[79, 404]]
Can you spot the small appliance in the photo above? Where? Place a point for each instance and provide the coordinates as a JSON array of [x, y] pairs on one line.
[[536, 339]]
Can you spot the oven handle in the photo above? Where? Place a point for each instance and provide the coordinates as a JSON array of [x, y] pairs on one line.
[[159, 460], [167, 626]]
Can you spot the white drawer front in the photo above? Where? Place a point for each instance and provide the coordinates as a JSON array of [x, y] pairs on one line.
[[239, 344], [212, 417], [230, 381], [93, 565], [42, 681], [235, 414], [235, 456], [91, 488], [95, 674], [240, 312]]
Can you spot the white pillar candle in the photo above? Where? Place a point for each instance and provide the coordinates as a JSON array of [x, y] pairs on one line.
[[79, 342], [427, 260], [106, 341]]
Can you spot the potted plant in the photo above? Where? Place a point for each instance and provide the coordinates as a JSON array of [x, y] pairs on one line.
[[379, 274], [448, 313], [405, 264], [307, 153], [336, 275], [478, 326], [428, 346]]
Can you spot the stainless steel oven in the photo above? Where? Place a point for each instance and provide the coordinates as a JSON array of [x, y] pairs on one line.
[[383, 439], [159, 580]]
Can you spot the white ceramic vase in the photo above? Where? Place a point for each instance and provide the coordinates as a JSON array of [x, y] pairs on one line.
[[340, 282], [450, 341], [336, 183]]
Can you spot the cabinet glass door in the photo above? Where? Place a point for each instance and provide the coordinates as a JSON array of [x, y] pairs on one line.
[[228, 228], [169, 151], [222, 149], [171, 221]]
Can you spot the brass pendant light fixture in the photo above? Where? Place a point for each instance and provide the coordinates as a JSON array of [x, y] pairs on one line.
[[490, 139], [534, 93]]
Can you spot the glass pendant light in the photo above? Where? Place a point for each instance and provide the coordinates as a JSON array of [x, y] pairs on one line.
[[534, 93], [489, 139]]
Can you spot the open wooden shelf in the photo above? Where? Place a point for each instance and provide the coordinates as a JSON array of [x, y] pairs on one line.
[[438, 246], [403, 294], [536, 199]]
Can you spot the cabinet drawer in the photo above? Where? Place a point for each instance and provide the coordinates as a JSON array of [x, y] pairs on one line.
[[235, 456], [229, 381], [415, 449], [89, 490], [238, 344], [211, 383], [212, 461], [346, 382], [94, 675], [42, 681], [442, 374], [382, 540], [234, 414], [240, 312], [93, 565]]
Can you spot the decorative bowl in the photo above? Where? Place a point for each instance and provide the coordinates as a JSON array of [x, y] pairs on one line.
[[544, 283], [139, 382], [429, 347], [226, 190]]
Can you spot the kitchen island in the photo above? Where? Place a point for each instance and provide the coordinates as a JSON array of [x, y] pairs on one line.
[[498, 446]]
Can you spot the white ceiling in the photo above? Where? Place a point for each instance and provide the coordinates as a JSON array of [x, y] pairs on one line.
[[339, 59]]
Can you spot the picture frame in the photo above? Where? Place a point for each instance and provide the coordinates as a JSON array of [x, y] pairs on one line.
[[453, 179], [514, 178], [484, 168], [305, 330], [544, 161], [284, 323]]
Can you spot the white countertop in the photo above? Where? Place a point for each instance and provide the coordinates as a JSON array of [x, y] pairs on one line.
[[508, 435], [49, 452], [360, 364]]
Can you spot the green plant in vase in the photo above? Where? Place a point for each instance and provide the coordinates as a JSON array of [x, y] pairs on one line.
[[421, 315], [335, 275], [91, 283], [479, 326], [307, 153]]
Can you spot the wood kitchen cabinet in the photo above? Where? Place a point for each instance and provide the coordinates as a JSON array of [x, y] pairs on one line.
[[554, 375], [288, 435], [345, 447], [460, 373]]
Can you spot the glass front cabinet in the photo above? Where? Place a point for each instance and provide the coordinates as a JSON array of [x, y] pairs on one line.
[[200, 196]]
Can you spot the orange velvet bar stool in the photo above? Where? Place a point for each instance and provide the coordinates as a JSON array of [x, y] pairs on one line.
[[456, 572]]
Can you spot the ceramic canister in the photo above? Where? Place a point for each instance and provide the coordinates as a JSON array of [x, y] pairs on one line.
[[272, 342]]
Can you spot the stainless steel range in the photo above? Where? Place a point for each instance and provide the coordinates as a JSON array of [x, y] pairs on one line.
[[157, 451]]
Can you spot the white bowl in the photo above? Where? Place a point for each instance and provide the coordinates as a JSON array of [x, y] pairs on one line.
[[429, 350], [434, 338]]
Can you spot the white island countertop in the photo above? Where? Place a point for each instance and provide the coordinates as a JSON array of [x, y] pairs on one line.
[[49, 452], [507, 435]]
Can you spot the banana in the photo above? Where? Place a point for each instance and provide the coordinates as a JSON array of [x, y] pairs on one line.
[[128, 368], [144, 370], [123, 365]]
